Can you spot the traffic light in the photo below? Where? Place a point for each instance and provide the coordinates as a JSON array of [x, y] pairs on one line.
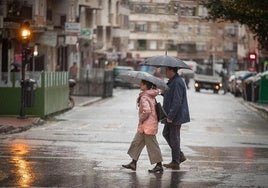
[[25, 32], [252, 56]]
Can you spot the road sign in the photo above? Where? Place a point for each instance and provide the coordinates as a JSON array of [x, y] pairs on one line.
[[72, 27], [85, 32]]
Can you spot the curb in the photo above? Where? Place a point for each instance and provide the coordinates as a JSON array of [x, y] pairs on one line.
[[263, 111], [10, 129], [15, 128], [89, 102]]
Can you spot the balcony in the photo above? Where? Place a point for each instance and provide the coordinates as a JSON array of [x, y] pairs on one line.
[[114, 20], [93, 4]]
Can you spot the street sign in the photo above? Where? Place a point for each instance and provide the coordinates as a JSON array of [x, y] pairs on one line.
[[72, 27], [85, 32]]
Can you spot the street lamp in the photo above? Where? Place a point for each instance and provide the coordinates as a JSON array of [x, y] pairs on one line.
[[25, 33], [24, 36]]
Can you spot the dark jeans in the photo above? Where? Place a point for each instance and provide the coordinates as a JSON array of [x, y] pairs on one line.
[[171, 133]]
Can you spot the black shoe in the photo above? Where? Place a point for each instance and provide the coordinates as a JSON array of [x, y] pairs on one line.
[[156, 169], [131, 166]]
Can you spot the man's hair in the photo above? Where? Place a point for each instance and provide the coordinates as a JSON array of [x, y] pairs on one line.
[[174, 69]]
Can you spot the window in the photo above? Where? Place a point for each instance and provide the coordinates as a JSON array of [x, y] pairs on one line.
[[229, 46], [231, 30], [49, 14], [188, 11], [161, 45], [142, 45], [219, 48], [154, 27], [62, 20], [131, 45], [132, 26], [153, 45], [187, 48], [141, 27], [202, 11], [171, 45], [201, 47]]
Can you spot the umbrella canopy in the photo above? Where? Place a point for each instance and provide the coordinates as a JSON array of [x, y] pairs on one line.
[[165, 61], [135, 77]]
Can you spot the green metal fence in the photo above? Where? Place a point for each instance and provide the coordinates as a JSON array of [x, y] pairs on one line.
[[51, 95]]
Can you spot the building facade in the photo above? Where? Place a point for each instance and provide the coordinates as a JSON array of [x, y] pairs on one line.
[[88, 32], [180, 27], [102, 33]]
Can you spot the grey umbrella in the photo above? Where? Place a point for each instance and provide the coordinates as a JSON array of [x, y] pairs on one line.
[[135, 77], [165, 61]]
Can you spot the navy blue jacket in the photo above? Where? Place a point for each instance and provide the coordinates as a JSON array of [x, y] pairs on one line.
[[175, 101]]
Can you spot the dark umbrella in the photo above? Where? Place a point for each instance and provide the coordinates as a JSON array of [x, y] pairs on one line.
[[165, 61], [135, 77]]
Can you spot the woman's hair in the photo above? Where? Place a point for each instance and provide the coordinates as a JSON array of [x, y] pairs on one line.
[[149, 85]]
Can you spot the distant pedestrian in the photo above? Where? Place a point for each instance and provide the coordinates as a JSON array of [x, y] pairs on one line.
[[147, 129], [176, 106], [15, 67], [74, 71], [186, 78], [224, 80]]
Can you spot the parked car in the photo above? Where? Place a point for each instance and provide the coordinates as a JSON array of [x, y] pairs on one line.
[[118, 82], [236, 80]]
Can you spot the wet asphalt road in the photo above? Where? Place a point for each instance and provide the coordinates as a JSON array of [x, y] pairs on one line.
[[226, 145]]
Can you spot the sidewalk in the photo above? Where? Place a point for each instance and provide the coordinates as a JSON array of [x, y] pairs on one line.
[[13, 124], [262, 108]]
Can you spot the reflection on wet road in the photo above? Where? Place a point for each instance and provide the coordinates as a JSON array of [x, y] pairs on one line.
[[24, 166], [86, 147]]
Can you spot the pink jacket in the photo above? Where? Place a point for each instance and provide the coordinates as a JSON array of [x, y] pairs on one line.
[[148, 123]]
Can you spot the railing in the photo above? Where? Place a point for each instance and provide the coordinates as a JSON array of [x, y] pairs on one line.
[[51, 94]]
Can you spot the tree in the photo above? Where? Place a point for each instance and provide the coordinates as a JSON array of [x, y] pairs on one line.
[[252, 13]]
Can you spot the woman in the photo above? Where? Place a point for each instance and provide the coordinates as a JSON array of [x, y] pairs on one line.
[[147, 129]]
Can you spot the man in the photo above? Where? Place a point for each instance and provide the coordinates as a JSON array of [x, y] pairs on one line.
[[176, 106], [74, 71], [224, 79]]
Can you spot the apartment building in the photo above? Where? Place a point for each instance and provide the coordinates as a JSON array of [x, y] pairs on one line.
[[89, 32], [153, 25], [181, 28]]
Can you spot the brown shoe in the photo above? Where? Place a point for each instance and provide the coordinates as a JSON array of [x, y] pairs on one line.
[[131, 166], [156, 169], [172, 165], [182, 158]]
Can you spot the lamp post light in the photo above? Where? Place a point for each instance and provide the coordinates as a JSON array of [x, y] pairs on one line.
[[35, 53], [25, 34]]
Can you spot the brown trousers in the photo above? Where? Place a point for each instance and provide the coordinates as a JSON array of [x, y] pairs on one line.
[[139, 141]]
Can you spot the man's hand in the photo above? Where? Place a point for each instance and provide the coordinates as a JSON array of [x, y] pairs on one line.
[[169, 120]]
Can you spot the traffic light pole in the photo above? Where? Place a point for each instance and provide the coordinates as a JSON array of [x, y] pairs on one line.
[[22, 104], [24, 37]]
